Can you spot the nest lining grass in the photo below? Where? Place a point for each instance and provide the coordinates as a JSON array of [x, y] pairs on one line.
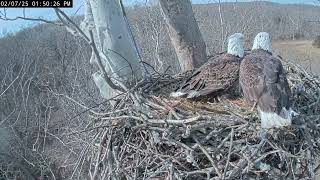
[[148, 135]]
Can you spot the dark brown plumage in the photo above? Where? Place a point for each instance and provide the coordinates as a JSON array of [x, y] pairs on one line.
[[263, 81], [217, 77]]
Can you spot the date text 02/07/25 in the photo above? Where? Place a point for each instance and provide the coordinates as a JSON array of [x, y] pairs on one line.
[[36, 3]]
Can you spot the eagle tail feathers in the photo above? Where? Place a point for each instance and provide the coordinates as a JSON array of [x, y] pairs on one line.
[[274, 120], [189, 95], [193, 94], [177, 94]]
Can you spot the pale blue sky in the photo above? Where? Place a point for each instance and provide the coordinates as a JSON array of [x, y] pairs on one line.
[[12, 26]]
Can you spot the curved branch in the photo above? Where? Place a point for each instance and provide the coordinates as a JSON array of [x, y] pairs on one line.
[[102, 69], [31, 19]]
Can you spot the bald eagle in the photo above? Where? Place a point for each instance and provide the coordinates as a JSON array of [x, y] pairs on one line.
[[219, 76], [264, 84]]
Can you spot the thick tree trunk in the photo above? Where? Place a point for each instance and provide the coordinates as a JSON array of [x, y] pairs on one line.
[[115, 38], [115, 43], [184, 33]]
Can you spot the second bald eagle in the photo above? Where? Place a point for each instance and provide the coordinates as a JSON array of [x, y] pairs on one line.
[[219, 76], [264, 84]]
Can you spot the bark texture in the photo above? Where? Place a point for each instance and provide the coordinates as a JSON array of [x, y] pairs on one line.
[[184, 33], [115, 38], [115, 44]]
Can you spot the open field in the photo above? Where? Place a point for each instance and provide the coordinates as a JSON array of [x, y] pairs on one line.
[[300, 51]]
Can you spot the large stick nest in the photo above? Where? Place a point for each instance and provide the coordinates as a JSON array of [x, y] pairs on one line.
[[148, 135]]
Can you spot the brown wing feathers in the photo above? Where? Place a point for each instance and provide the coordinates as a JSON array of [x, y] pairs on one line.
[[277, 87], [251, 80], [263, 80], [217, 75]]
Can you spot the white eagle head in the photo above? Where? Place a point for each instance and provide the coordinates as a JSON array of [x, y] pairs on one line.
[[235, 45], [262, 41]]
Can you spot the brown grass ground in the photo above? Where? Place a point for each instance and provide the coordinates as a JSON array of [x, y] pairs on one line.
[[301, 52]]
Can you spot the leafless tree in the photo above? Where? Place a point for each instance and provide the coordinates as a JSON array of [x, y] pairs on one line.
[[184, 33], [48, 98]]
